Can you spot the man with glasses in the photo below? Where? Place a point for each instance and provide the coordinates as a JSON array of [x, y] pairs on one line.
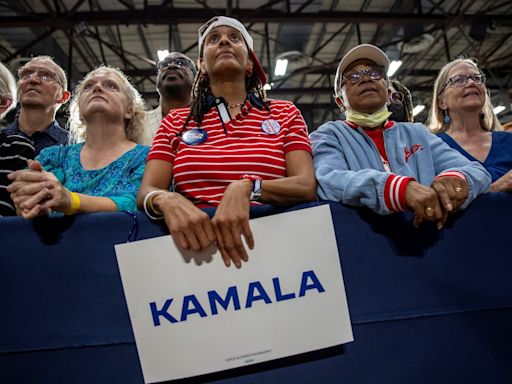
[[42, 90], [174, 81], [388, 166]]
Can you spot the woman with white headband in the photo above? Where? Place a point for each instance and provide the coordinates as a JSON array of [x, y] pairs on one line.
[[231, 149]]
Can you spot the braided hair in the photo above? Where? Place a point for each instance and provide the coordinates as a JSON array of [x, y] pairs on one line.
[[407, 103], [201, 89]]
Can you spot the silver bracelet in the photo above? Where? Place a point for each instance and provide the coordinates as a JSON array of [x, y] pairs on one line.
[[146, 199]]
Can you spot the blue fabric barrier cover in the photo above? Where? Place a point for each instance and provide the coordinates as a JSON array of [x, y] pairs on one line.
[[427, 306]]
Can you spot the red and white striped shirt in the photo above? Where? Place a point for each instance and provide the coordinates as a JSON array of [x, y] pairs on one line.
[[203, 171]]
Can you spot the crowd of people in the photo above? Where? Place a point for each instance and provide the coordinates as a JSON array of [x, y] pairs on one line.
[[216, 140]]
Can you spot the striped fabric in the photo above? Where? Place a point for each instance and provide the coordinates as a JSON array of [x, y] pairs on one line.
[[394, 192], [202, 172], [14, 152], [451, 173]]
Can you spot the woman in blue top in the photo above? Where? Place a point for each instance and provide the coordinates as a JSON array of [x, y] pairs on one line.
[[462, 116], [104, 170]]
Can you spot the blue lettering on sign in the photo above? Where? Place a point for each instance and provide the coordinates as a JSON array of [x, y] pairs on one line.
[[161, 312], [255, 292], [231, 294], [279, 294], [186, 309], [251, 297], [304, 286]]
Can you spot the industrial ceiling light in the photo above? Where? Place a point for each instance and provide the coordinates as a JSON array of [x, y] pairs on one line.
[[417, 109], [500, 108], [281, 65], [297, 58], [393, 67]]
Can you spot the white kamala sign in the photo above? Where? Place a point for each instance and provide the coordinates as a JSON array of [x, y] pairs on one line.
[[191, 315]]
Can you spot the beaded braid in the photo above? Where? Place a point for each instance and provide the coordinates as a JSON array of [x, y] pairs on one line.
[[201, 89]]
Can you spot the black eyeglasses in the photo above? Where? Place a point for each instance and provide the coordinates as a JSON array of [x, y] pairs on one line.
[[41, 74], [179, 62], [356, 76], [461, 80]]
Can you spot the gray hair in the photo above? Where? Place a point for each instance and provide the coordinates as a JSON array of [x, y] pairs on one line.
[[133, 128], [61, 75], [7, 87]]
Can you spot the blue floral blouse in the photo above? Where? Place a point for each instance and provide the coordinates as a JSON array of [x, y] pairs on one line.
[[119, 181]]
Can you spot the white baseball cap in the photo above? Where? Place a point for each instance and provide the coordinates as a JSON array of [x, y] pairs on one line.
[[217, 21], [363, 51]]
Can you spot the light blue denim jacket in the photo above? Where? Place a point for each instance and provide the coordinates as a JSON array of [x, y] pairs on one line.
[[349, 169]]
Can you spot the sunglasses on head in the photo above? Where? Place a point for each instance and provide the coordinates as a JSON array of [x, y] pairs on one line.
[[179, 62]]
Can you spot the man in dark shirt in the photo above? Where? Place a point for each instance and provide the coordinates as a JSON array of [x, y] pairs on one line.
[[15, 150], [42, 89]]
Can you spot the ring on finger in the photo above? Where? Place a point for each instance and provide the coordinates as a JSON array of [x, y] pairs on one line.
[[428, 210], [458, 189]]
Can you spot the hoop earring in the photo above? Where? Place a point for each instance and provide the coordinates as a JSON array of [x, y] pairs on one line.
[[446, 117]]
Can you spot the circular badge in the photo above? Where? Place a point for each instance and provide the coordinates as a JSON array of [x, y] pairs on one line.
[[194, 136], [270, 127]]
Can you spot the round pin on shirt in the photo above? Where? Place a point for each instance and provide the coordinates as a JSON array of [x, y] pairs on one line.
[[194, 136], [270, 127]]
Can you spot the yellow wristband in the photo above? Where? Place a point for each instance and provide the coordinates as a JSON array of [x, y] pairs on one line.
[[75, 204]]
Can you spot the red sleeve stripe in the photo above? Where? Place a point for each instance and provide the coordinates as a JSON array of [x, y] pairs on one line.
[[157, 155], [458, 174], [394, 192]]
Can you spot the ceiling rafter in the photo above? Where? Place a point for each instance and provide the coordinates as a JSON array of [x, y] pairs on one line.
[[158, 15]]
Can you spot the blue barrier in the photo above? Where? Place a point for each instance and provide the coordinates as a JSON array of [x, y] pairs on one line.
[[426, 306]]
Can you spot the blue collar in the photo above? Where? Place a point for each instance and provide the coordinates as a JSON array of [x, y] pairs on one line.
[[54, 130]]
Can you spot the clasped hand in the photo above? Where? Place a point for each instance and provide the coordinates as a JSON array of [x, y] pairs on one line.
[[436, 202], [36, 192], [192, 228]]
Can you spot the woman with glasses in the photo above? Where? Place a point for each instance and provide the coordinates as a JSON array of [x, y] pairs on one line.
[[462, 115], [368, 160], [232, 149], [103, 171]]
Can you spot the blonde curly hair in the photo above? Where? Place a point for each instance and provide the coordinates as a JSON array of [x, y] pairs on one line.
[[133, 127], [7, 88]]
